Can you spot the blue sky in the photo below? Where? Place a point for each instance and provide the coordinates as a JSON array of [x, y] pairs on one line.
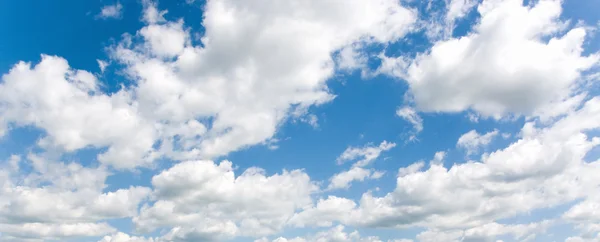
[[225, 120]]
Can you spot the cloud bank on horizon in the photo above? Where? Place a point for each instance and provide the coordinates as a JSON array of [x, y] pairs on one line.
[[312, 120]]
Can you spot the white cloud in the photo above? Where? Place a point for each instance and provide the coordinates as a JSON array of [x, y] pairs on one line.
[[543, 169], [364, 155], [351, 58], [111, 11], [68, 105], [54, 231], [250, 75], [166, 40], [473, 141], [487, 232], [201, 200], [335, 234], [323, 213], [504, 66], [245, 80], [251, 72], [122, 237], [75, 202], [585, 216], [151, 14], [457, 9], [102, 65], [410, 115], [343, 179]]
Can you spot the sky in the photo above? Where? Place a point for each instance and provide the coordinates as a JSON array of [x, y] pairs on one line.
[[300, 120]]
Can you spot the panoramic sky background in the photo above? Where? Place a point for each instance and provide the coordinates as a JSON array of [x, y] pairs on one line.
[[300, 120]]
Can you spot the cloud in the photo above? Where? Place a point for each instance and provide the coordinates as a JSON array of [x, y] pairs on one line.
[[151, 14], [166, 40], [457, 9], [111, 11], [203, 101], [248, 91], [473, 141], [202, 200], [543, 169], [585, 216], [122, 237], [68, 105], [343, 179], [410, 115], [504, 66], [335, 234], [192, 103], [487, 232], [102, 65], [364, 155], [54, 231], [75, 199]]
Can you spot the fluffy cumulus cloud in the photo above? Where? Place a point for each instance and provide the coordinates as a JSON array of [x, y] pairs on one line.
[[517, 59], [69, 106], [544, 168], [203, 200], [57, 200], [251, 73], [191, 99]]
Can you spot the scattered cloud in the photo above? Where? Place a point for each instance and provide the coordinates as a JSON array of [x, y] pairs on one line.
[[364, 155], [343, 179], [472, 141], [541, 169], [111, 11], [191, 101], [410, 115], [102, 65]]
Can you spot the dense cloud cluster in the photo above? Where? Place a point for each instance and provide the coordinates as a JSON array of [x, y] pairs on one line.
[[262, 63]]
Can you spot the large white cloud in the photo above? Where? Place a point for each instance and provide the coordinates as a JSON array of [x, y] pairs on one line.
[[69, 106], [202, 200], [251, 72], [58, 200], [518, 59]]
